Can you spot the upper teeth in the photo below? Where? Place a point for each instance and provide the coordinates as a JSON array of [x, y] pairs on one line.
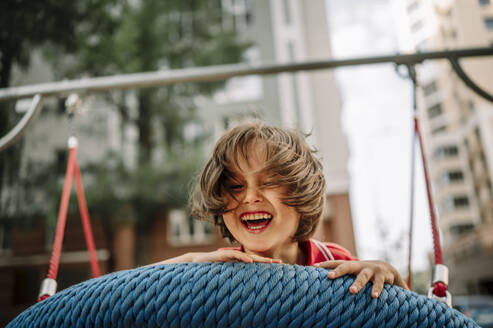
[[257, 216]]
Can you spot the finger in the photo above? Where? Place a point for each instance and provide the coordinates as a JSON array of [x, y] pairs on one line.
[[390, 278], [378, 282], [345, 268], [261, 259], [361, 280], [400, 282], [249, 258], [329, 264], [232, 256]]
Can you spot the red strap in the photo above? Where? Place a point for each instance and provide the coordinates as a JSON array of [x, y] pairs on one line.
[[434, 227], [439, 288], [72, 170], [86, 224], [62, 216]]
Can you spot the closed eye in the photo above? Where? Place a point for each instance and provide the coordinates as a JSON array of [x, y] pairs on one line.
[[236, 187], [270, 183]]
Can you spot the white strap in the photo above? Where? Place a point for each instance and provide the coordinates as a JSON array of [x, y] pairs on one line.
[[325, 251]]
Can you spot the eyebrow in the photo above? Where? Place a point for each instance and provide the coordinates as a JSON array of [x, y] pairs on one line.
[[230, 175]]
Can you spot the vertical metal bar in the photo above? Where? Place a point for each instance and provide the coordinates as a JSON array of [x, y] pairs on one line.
[[411, 208], [412, 75]]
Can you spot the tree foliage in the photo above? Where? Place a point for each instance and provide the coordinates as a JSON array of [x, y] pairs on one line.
[[148, 36], [105, 37], [27, 24], [24, 26], [159, 35]]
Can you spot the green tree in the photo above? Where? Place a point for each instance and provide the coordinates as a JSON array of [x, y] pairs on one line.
[[159, 35], [25, 25], [104, 37]]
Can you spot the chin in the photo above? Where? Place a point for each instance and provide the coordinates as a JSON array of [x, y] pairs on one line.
[[257, 246]]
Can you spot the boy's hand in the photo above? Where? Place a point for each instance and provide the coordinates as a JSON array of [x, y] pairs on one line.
[[377, 271], [218, 256], [230, 256]]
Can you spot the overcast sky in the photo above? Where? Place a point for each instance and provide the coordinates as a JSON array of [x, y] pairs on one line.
[[377, 121]]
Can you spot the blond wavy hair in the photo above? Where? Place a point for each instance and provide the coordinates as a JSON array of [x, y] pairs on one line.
[[288, 157]]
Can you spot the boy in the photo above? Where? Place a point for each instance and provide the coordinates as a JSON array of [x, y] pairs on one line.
[[264, 188]]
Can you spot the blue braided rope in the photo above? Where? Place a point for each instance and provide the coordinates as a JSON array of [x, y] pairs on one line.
[[233, 295]]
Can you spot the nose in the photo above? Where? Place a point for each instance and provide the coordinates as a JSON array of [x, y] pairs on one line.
[[252, 195]]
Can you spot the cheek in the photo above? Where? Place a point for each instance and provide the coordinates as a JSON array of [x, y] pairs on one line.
[[229, 220], [230, 201], [291, 215], [295, 218]]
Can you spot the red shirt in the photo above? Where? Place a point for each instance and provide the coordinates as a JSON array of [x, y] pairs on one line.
[[317, 251]]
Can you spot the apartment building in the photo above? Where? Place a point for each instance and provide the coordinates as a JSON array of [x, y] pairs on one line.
[[457, 130]]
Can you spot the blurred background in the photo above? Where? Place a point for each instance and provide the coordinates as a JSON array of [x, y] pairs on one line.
[[141, 149]]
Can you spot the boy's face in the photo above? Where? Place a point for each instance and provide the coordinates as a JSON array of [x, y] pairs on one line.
[[256, 216]]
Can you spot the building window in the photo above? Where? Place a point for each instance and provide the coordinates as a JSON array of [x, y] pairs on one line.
[[453, 34], [249, 12], [430, 88], [287, 12], [459, 229], [484, 2], [184, 230], [412, 6], [434, 111], [451, 177], [416, 26], [477, 133], [488, 22], [456, 202], [446, 151], [423, 45], [439, 129], [455, 176], [461, 201], [237, 14]]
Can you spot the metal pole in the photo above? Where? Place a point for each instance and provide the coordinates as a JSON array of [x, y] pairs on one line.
[[414, 80], [214, 73], [19, 129]]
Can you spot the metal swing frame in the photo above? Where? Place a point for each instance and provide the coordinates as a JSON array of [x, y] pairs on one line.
[[39, 92]]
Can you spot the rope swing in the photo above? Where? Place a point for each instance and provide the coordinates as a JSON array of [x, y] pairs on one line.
[[439, 282], [49, 284], [234, 295]]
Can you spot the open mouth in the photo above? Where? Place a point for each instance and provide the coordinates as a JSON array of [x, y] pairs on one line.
[[256, 222]]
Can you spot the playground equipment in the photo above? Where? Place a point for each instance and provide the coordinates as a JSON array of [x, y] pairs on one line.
[[234, 295], [364, 310]]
